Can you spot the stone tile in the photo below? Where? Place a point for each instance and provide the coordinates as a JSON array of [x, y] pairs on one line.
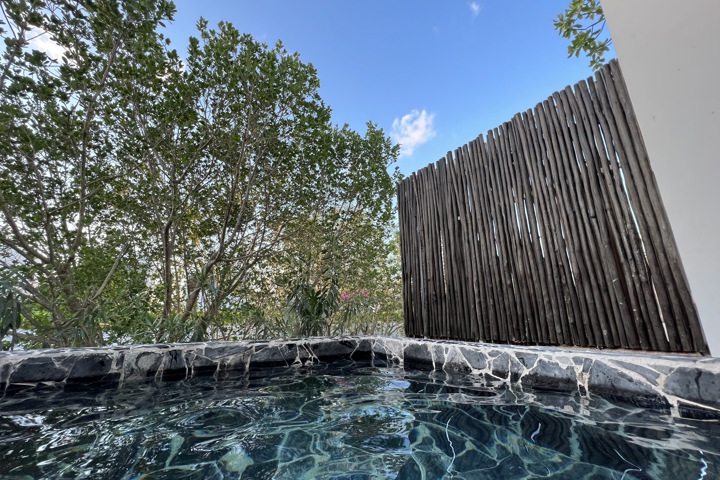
[[91, 366], [333, 349], [701, 385], [691, 384], [613, 382], [272, 355], [548, 375], [417, 353], [46, 368], [477, 359]]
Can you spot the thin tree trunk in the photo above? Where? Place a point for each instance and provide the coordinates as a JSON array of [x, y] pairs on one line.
[[167, 269]]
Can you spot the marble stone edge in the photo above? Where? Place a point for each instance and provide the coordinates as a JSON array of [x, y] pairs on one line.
[[688, 385]]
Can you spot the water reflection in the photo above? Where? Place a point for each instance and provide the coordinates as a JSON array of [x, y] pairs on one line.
[[344, 421]]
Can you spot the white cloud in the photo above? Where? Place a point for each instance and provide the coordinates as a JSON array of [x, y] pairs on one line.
[[412, 130], [41, 40], [475, 9]]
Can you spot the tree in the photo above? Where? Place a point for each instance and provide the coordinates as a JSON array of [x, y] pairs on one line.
[[583, 22], [60, 162], [375, 306], [222, 143], [345, 240], [145, 197]]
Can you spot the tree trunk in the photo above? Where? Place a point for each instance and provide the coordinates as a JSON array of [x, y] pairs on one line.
[[167, 268]]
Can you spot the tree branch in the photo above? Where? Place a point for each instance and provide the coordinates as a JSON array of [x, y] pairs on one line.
[[109, 275]]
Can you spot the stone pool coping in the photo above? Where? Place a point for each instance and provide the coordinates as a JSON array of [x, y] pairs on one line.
[[687, 385]]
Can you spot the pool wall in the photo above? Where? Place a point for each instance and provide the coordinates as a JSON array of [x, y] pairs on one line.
[[687, 385]]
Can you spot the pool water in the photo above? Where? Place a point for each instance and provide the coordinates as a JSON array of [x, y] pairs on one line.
[[345, 420]]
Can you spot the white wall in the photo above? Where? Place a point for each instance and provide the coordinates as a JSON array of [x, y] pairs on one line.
[[669, 52]]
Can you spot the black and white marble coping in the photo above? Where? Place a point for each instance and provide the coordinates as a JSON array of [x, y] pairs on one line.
[[688, 386]]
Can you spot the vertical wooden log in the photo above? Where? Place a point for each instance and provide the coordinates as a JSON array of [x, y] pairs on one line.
[[606, 274], [688, 326], [488, 245], [627, 283], [575, 212], [649, 230], [561, 214], [464, 204], [520, 185], [553, 330], [509, 230], [552, 231], [651, 321], [510, 299], [476, 264]]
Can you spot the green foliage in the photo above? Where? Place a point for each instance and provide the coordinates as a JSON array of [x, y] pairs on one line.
[[583, 22], [149, 198], [61, 162], [374, 307], [310, 305]]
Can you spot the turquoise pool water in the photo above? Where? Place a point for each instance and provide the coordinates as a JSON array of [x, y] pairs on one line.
[[345, 420]]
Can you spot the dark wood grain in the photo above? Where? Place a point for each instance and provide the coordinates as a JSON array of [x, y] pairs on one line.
[[549, 230]]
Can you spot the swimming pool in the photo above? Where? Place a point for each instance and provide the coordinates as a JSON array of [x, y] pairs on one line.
[[344, 420], [356, 408]]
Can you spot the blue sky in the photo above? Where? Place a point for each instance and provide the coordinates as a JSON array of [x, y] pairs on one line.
[[433, 74]]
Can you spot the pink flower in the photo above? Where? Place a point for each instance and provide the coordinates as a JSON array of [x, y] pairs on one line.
[[344, 297]]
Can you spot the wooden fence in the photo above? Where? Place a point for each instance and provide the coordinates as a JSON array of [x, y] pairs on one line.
[[548, 231]]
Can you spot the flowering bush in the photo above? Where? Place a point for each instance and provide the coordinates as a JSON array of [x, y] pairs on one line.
[[345, 297]]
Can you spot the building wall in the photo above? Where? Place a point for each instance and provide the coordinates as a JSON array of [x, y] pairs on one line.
[[669, 52]]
